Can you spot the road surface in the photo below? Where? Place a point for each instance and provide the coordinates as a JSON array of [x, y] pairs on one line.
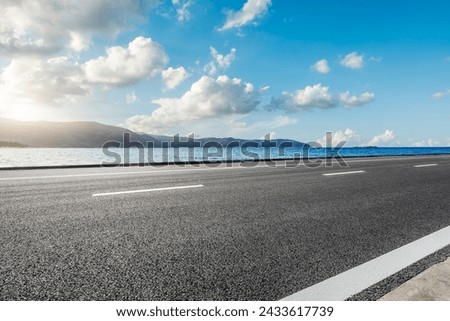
[[241, 233]]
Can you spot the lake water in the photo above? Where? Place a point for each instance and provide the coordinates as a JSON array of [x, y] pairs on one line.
[[23, 157]]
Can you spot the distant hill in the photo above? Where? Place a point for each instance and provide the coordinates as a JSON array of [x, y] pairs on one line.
[[11, 144], [93, 135], [230, 141], [62, 134]]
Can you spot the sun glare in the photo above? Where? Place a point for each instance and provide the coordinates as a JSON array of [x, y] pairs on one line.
[[25, 113]]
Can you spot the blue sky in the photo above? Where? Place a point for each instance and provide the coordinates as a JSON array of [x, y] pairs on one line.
[[372, 72]]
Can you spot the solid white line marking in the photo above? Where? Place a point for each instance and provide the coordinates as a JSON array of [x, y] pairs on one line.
[[357, 279], [425, 165], [147, 190], [343, 173]]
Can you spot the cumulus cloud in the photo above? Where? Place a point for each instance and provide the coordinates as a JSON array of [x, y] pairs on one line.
[[220, 61], [224, 61], [207, 98], [351, 100], [353, 61], [251, 10], [79, 41], [172, 77], [321, 66], [210, 68], [352, 138], [44, 27], [383, 139], [144, 58], [440, 94], [317, 96], [427, 143], [42, 82], [348, 135], [182, 8], [28, 80]]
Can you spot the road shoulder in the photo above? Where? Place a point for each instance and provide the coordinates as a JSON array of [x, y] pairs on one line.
[[403, 277]]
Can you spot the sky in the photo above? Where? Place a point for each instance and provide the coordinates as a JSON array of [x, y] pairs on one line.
[[370, 72]]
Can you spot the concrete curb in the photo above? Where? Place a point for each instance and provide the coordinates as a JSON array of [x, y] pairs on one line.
[[391, 283], [431, 285]]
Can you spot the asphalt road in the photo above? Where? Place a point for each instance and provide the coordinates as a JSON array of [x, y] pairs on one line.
[[246, 233]]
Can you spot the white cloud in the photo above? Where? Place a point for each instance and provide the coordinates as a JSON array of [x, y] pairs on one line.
[[79, 41], [224, 61], [440, 94], [353, 61], [210, 68], [42, 82], [321, 66], [143, 58], [351, 101], [207, 98], [349, 136], [251, 10], [182, 8], [427, 143], [131, 98], [172, 77], [220, 61], [383, 139], [54, 81], [317, 96], [44, 27]]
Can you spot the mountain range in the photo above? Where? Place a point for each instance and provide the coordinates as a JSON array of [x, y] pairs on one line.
[[43, 134]]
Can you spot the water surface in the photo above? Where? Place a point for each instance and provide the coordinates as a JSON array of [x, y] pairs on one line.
[[23, 157]]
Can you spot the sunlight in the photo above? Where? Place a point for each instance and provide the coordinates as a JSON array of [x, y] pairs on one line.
[[25, 113]]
